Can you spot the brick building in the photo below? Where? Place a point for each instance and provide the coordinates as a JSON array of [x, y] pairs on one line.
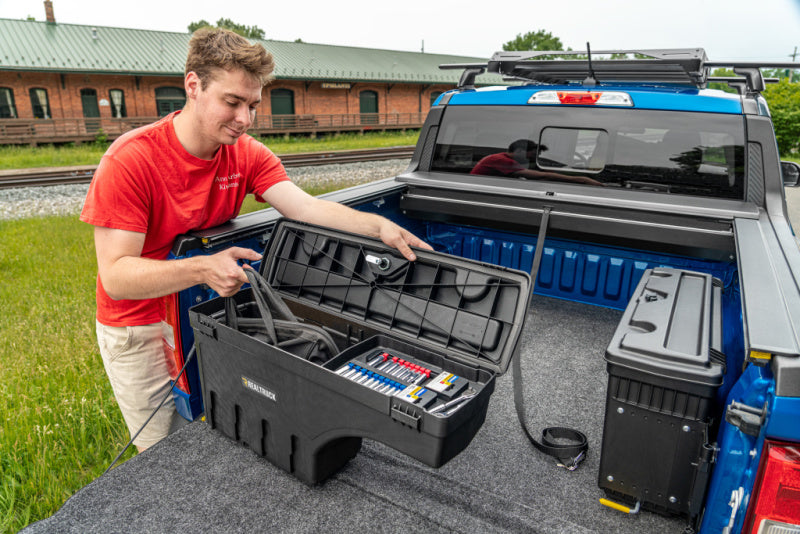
[[69, 80]]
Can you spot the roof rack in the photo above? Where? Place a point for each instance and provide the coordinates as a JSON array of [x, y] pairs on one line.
[[740, 83], [683, 66]]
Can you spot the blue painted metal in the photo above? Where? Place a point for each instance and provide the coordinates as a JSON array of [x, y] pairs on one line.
[[190, 405], [784, 421], [592, 274], [738, 456], [667, 98]]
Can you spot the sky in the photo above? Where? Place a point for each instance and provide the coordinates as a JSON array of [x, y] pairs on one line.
[[728, 29]]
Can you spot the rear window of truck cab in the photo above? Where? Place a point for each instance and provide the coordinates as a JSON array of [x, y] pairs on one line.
[[690, 153]]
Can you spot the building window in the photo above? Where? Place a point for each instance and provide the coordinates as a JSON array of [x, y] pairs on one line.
[[434, 96], [40, 103], [117, 98], [7, 108], [169, 99], [368, 106]]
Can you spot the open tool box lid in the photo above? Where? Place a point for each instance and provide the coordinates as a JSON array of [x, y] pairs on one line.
[[473, 312]]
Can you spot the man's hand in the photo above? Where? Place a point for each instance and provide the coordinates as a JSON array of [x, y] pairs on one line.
[[222, 272], [590, 181], [401, 239]]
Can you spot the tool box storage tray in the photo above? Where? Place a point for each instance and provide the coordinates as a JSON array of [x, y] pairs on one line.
[[665, 365], [420, 344]]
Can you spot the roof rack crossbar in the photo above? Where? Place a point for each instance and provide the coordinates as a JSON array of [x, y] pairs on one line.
[[740, 83], [471, 70], [684, 66]]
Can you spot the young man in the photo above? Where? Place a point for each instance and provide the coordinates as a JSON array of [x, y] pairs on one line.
[[190, 170]]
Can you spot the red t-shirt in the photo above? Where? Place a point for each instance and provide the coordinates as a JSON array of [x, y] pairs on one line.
[[147, 182], [500, 164]]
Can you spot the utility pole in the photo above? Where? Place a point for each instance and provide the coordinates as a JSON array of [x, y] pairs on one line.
[[793, 56], [423, 47]]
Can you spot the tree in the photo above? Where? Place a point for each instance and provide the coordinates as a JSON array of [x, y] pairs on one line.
[[251, 32], [722, 86], [538, 40], [202, 23], [784, 105]]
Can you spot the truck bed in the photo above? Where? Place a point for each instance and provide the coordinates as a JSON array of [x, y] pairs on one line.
[[198, 480]]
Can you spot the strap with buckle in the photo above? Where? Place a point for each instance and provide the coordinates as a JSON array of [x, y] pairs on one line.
[[569, 446]]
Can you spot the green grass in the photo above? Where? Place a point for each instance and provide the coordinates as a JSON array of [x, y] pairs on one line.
[[61, 427], [347, 141], [24, 157]]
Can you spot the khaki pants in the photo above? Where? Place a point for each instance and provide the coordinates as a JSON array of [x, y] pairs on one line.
[[134, 360]]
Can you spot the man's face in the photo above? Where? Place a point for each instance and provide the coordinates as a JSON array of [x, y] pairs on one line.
[[520, 156], [226, 108]]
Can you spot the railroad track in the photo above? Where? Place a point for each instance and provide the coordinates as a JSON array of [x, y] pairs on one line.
[[83, 174]]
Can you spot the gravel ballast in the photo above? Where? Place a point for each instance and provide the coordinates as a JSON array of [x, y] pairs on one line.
[[25, 202]]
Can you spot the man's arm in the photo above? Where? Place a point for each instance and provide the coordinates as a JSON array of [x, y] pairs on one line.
[[295, 203], [126, 275]]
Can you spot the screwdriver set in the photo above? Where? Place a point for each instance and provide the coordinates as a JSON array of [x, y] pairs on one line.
[[419, 344], [397, 375]]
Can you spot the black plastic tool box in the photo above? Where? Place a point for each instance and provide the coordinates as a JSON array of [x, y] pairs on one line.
[[665, 365], [420, 346]]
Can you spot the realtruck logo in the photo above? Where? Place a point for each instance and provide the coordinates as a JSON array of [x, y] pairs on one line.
[[258, 388]]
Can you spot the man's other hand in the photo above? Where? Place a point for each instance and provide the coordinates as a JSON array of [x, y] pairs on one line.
[[401, 239]]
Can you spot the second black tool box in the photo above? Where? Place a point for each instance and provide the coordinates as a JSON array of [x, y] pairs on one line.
[[664, 368], [417, 347]]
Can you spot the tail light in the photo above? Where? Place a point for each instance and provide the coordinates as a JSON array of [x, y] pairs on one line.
[[775, 502], [173, 349], [582, 98]]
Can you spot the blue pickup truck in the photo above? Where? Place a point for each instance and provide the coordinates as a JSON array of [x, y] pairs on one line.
[[613, 165]]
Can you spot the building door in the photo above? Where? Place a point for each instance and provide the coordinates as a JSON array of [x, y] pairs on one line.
[[282, 107], [368, 106], [91, 111], [169, 99]]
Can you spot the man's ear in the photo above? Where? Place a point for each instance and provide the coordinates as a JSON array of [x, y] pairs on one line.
[[191, 84]]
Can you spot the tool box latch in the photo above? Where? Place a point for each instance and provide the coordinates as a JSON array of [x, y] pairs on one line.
[[746, 418], [406, 416]]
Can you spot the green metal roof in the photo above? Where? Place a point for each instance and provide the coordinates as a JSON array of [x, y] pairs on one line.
[[42, 46]]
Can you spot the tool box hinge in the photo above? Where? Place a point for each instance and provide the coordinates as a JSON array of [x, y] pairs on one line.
[[410, 419], [746, 418], [207, 327]]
